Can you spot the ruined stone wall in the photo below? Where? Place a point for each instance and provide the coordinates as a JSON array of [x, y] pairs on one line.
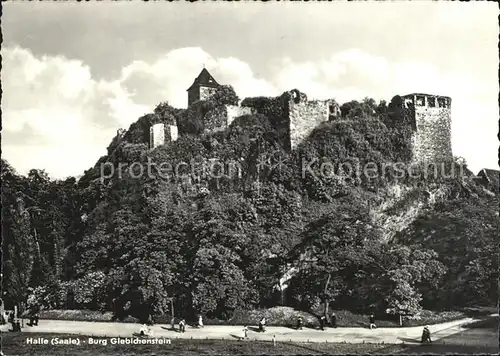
[[432, 139], [156, 135], [304, 117], [234, 111], [220, 117], [171, 133], [159, 134], [292, 115]]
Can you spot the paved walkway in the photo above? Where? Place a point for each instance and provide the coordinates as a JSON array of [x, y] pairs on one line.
[[342, 334]]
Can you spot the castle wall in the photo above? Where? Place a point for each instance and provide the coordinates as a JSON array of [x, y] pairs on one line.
[[432, 139], [159, 134], [156, 135], [234, 111], [304, 118], [171, 133], [220, 117], [292, 115]]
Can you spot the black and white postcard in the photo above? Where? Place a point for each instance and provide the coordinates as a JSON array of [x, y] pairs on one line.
[[249, 178]]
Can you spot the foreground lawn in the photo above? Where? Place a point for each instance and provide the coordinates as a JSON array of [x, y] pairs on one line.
[[16, 344]]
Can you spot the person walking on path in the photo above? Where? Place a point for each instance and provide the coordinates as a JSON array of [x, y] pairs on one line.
[[333, 320], [182, 325], [245, 332], [200, 321], [34, 320], [299, 323], [144, 330], [426, 335], [262, 324], [322, 322], [372, 322]]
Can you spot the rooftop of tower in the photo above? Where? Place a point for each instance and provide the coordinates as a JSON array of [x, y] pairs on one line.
[[205, 79]]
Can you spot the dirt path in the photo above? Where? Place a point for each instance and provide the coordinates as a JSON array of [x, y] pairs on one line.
[[343, 334]]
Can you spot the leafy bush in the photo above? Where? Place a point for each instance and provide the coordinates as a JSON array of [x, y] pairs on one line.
[[166, 114], [277, 316], [224, 95], [190, 121], [81, 315]]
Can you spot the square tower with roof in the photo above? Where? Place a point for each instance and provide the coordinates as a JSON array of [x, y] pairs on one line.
[[202, 88]]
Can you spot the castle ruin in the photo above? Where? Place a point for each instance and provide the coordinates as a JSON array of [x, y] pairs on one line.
[[297, 117]]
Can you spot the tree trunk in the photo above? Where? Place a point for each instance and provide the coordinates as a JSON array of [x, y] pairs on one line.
[[173, 314], [37, 244], [326, 299]]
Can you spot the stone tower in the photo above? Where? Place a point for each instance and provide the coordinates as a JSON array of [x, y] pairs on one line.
[[431, 116], [203, 86]]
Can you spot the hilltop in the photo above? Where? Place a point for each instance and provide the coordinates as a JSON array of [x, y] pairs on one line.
[[235, 219]]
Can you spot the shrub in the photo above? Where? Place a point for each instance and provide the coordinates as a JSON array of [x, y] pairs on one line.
[[224, 95], [82, 315]]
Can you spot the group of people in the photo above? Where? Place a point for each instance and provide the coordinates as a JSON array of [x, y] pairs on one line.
[[324, 321], [16, 324], [146, 331]]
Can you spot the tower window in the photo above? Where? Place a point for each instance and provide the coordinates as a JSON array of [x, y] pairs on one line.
[[420, 101], [442, 102], [431, 102]]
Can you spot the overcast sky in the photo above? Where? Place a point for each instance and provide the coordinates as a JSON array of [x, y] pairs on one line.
[[73, 73]]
